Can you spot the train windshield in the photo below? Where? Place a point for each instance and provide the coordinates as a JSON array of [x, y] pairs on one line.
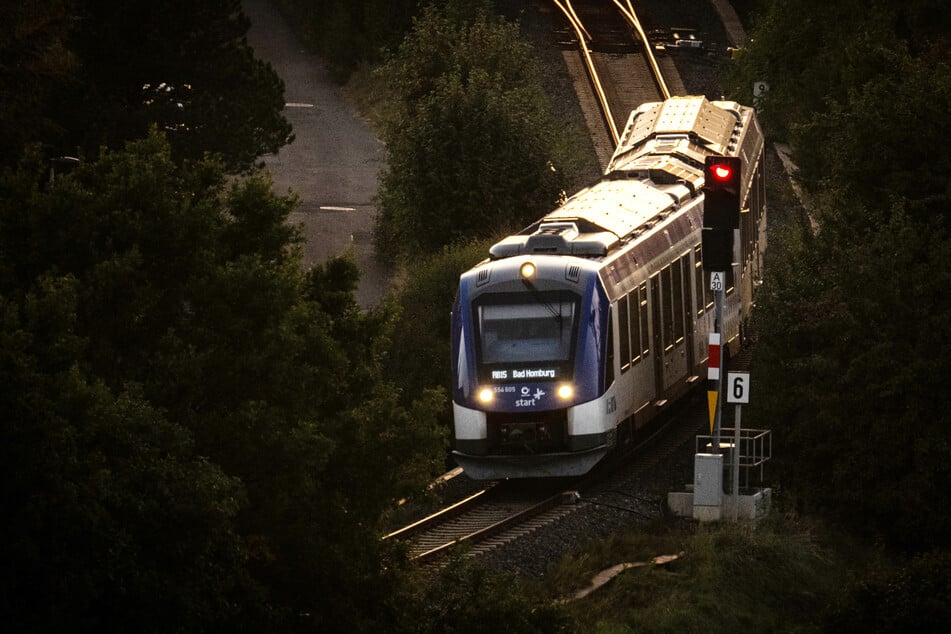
[[527, 328]]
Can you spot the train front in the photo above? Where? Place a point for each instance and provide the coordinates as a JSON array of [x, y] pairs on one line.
[[529, 355]]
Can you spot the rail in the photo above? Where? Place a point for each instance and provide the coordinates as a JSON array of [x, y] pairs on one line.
[[631, 17], [583, 38], [599, 88]]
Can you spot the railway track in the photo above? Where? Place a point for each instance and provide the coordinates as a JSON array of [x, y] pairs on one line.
[[497, 513], [505, 511], [619, 64], [620, 77]]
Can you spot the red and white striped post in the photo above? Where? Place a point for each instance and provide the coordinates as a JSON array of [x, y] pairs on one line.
[[713, 379]]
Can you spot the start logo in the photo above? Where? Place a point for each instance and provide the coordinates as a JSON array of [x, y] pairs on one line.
[[528, 398]]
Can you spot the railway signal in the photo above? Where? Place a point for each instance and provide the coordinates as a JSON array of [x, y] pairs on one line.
[[721, 188], [716, 247]]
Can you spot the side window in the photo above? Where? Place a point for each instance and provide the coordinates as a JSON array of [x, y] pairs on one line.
[[636, 335], [679, 306], [623, 323], [645, 335], [698, 280], [667, 308]]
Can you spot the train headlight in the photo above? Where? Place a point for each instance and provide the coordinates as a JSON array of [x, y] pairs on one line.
[[486, 395], [565, 391], [527, 271]]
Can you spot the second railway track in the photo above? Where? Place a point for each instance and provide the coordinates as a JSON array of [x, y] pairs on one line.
[[617, 65]]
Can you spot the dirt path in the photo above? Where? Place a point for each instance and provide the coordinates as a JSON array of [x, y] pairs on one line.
[[334, 160]]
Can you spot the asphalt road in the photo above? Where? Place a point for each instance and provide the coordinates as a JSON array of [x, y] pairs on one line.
[[335, 159]]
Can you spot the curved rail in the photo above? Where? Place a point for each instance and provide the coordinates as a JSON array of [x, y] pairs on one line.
[[583, 37], [479, 517], [491, 523], [631, 17], [442, 515]]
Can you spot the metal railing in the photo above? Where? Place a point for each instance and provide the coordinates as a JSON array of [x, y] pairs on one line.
[[754, 450]]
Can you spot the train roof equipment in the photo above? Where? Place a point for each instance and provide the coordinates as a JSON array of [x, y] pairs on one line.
[[656, 168]]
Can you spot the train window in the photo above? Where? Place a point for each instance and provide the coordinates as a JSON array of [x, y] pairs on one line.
[[609, 361], [708, 297], [645, 339], [635, 326], [698, 279], [657, 341], [667, 308], [623, 323], [677, 290], [526, 329]]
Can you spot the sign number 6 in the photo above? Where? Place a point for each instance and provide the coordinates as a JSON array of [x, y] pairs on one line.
[[738, 387]]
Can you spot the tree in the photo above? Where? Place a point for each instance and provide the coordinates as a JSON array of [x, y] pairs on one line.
[[418, 358], [114, 521], [88, 73], [36, 60], [852, 362], [853, 317], [895, 122], [473, 148], [197, 427], [349, 32]]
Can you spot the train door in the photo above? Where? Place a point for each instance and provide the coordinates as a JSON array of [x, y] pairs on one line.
[[686, 308], [670, 317], [657, 339]]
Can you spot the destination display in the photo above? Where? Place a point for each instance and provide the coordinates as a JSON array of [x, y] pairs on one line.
[[521, 374]]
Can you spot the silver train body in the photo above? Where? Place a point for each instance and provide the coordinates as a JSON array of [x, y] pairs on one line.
[[585, 326]]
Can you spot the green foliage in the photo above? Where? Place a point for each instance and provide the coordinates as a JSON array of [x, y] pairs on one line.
[[853, 318], [732, 578], [419, 354], [36, 58], [114, 522], [469, 599], [912, 597], [100, 73], [815, 67], [417, 359], [473, 148], [348, 32], [896, 121], [194, 429], [852, 367]]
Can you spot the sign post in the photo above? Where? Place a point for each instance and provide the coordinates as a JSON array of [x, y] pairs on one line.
[[717, 286], [738, 392]]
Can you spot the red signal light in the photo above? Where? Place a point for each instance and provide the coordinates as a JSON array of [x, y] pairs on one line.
[[721, 189], [722, 172]]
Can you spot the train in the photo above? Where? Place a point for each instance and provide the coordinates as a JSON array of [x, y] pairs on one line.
[[578, 331]]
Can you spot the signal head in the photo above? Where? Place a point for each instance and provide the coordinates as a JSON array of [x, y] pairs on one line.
[[721, 189], [721, 172]]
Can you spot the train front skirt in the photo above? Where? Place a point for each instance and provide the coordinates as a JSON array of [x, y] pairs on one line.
[[549, 465]]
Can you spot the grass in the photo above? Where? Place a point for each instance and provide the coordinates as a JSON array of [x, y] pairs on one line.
[[778, 576], [368, 91]]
